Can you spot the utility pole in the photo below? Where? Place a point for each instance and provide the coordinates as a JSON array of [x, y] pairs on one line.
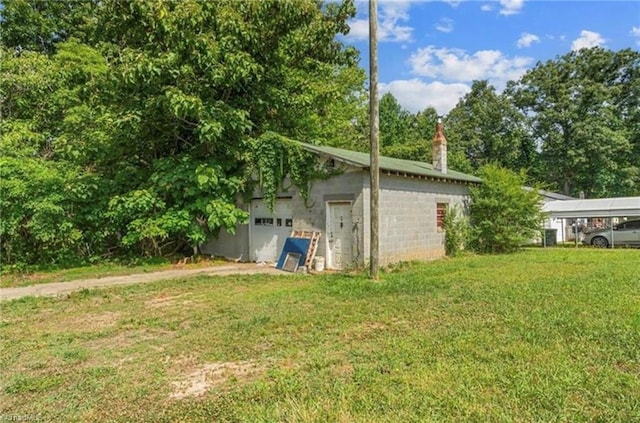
[[374, 126]]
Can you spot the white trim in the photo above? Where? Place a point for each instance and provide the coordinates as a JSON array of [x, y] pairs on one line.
[[327, 229]]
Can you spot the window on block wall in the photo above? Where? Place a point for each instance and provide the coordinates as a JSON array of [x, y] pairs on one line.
[[441, 210]]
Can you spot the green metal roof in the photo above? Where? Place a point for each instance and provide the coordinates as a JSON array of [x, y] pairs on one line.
[[389, 164]]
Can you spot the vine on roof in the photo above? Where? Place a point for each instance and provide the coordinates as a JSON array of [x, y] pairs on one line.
[[276, 157]]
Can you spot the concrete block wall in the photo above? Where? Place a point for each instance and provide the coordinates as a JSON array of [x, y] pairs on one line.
[[407, 217], [312, 216], [408, 229]]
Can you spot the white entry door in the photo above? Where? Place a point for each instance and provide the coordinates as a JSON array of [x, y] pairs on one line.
[[269, 231], [339, 235]]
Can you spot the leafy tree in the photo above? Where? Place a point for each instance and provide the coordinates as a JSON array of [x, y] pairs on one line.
[[154, 108], [417, 143], [584, 109], [196, 83], [394, 122], [503, 215], [39, 25], [485, 127], [37, 222], [51, 197], [341, 118]]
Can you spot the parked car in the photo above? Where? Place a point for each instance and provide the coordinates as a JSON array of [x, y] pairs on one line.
[[625, 233]]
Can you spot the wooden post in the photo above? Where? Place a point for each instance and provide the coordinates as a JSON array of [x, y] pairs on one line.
[[374, 125]]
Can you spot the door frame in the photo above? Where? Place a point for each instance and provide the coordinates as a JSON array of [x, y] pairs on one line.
[[327, 228]]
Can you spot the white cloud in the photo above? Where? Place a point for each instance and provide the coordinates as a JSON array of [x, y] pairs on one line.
[[587, 39], [390, 17], [453, 3], [358, 29], [635, 32], [458, 66], [416, 95], [526, 39], [511, 7], [486, 7], [445, 25]]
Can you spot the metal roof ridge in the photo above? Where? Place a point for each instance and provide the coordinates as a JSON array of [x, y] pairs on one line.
[[423, 166]]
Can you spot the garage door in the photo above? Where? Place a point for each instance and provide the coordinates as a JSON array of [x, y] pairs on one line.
[[268, 231]]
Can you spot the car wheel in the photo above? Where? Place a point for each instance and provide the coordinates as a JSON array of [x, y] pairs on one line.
[[600, 242]]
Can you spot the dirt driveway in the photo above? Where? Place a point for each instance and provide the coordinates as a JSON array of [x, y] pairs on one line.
[[60, 288]]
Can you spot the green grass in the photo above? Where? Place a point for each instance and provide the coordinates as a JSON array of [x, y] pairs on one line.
[[36, 277], [542, 335]]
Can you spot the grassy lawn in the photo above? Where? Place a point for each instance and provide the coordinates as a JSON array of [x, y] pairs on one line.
[[543, 335], [17, 279]]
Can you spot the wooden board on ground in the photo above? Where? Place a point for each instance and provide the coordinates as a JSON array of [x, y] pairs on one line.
[[313, 245]]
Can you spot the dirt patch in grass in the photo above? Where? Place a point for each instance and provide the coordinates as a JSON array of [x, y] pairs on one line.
[[90, 322], [628, 367], [122, 340], [367, 330], [373, 326], [343, 370], [166, 301], [208, 376], [99, 321]]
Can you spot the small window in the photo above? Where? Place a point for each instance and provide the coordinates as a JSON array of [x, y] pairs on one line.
[[632, 224], [263, 221], [441, 210], [288, 222]]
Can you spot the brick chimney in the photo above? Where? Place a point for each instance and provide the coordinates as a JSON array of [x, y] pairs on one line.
[[440, 149]]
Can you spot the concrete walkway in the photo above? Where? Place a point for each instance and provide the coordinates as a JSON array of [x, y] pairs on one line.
[[61, 288]]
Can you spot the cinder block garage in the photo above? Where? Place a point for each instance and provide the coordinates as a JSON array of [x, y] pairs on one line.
[[413, 199]]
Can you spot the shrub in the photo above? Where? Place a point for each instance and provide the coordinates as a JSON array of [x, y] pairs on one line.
[[503, 214], [456, 228]]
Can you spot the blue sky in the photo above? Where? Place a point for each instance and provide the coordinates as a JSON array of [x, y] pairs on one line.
[[431, 51]]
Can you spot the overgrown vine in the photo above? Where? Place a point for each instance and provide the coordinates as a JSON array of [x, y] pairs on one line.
[[276, 157]]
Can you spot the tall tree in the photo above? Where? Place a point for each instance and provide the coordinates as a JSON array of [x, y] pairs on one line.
[[418, 141], [484, 127], [50, 202], [405, 135], [394, 122], [40, 25], [197, 81], [160, 110], [584, 108]]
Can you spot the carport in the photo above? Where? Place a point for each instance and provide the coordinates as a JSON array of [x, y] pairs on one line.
[[593, 208]]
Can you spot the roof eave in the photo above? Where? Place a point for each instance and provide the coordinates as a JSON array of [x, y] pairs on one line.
[[443, 178]]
